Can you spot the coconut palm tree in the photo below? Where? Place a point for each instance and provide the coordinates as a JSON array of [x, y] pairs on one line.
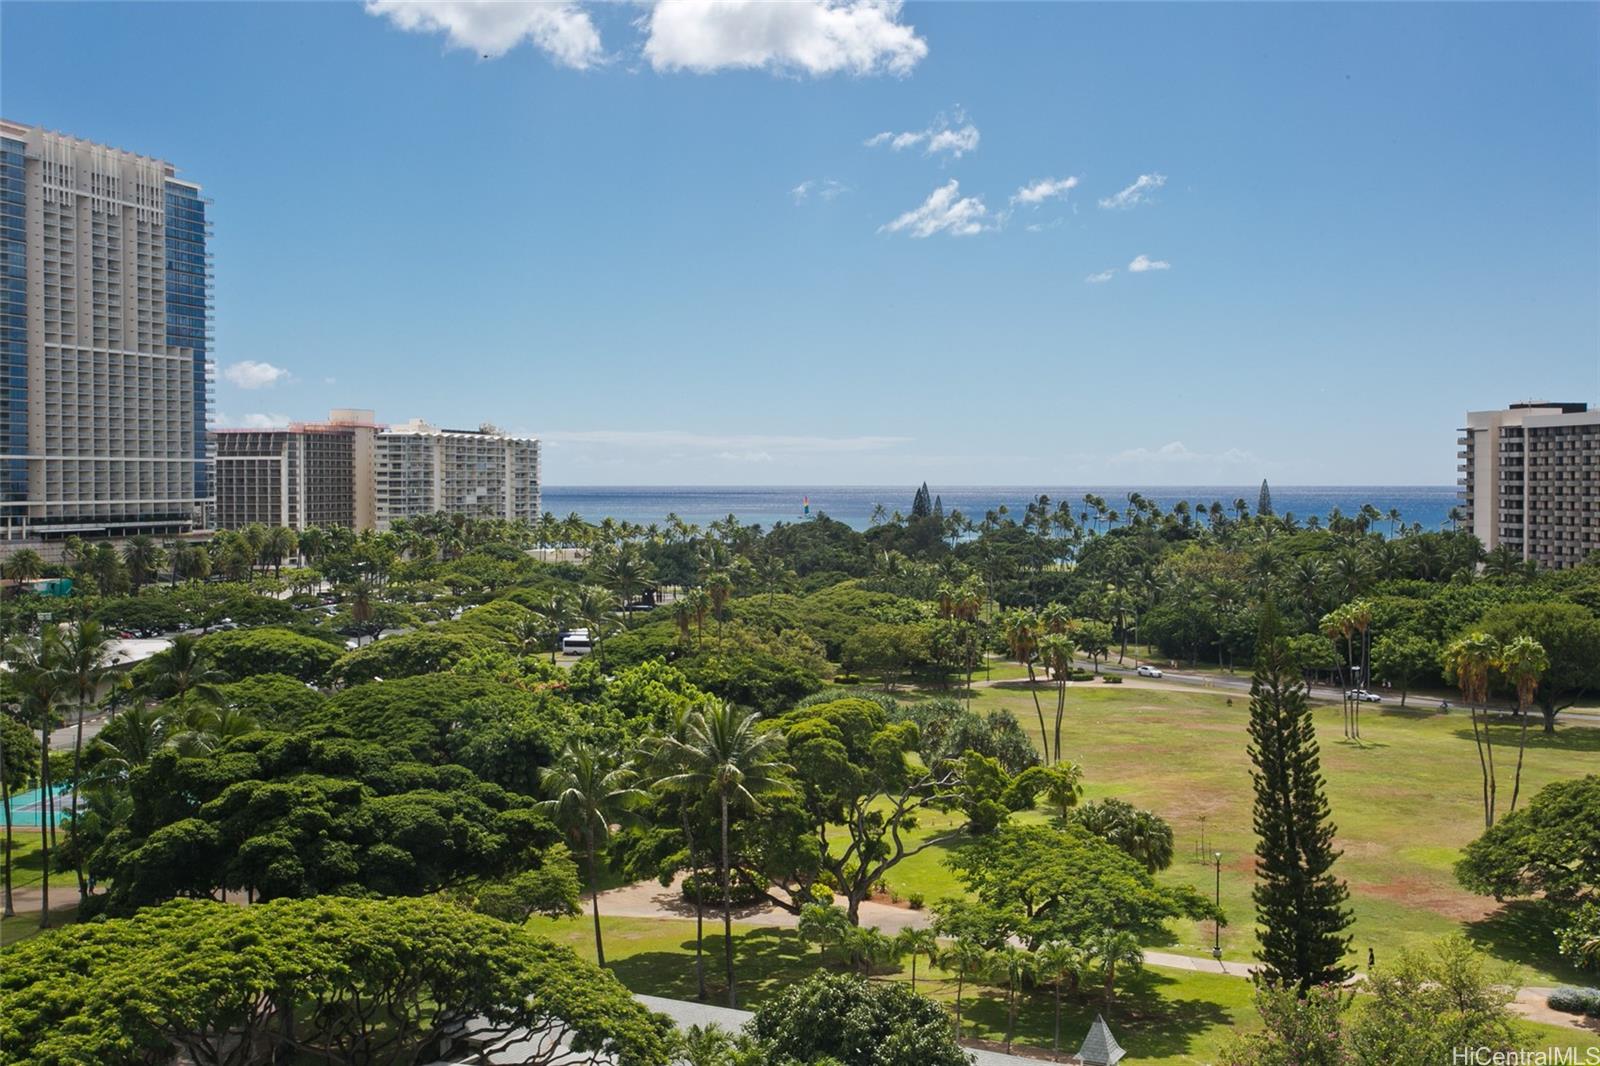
[[662, 759], [1468, 660], [35, 664], [1056, 651], [590, 791], [1021, 631], [183, 673], [965, 955], [142, 556], [595, 611], [1112, 949], [916, 943], [277, 544], [24, 564], [1013, 964], [728, 757], [16, 771], [1060, 963], [80, 670], [1522, 662]]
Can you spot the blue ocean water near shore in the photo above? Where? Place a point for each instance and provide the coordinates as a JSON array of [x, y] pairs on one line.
[[854, 504]]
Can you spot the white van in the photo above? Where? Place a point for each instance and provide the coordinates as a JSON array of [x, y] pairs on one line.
[[576, 642]]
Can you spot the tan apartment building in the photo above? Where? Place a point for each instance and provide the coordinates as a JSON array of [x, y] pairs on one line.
[[1530, 480], [105, 342], [420, 469], [307, 474]]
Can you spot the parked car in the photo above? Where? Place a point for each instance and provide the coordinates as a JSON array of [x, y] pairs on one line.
[[1146, 670], [1363, 696]]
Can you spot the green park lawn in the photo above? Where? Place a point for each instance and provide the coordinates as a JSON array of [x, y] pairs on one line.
[[1159, 1015], [1405, 800], [27, 861]]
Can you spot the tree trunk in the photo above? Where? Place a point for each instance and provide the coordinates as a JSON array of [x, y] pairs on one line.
[[1483, 766], [1061, 710], [1011, 1011], [1043, 734], [5, 799], [44, 835], [961, 980], [1522, 746], [77, 765], [594, 899], [913, 971], [1055, 1047], [727, 909]]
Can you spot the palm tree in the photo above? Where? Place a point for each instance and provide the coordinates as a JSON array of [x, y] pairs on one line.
[[556, 614], [1114, 948], [195, 729], [35, 664], [914, 942], [278, 544], [80, 671], [15, 772], [663, 760], [1056, 651], [1522, 661], [1063, 786], [728, 757], [626, 573], [1021, 631], [590, 791], [965, 956], [184, 670], [594, 609], [1469, 659], [1013, 964], [24, 564], [142, 556], [1059, 963]]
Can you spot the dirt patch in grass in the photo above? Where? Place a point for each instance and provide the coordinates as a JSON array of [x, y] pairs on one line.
[[1420, 892]]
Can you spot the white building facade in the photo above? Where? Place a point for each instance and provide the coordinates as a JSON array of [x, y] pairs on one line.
[[420, 469]]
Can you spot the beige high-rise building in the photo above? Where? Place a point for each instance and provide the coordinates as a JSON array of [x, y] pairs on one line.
[[307, 474], [1530, 480], [421, 469], [105, 342]]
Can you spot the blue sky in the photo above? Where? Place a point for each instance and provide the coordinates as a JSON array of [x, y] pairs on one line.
[[1357, 222]]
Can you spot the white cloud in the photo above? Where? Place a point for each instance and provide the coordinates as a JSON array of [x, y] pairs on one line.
[[1176, 453], [822, 188], [1135, 194], [1102, 277], [263, 421], [492, 28], [251, 374], [948, 133], [745, 457], [1142, 263], [1037, 192], [944, 211], [815, 37]]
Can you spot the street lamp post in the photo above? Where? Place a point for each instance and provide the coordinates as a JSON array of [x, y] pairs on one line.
[[1216, 923]]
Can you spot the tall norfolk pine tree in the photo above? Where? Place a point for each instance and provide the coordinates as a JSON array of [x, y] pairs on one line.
[[1300, 905], [1264, 501]]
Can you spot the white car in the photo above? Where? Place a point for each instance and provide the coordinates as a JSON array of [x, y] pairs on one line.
[[1147, 671], [1363, 696]]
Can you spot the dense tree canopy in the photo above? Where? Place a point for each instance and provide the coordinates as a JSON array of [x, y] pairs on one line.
[[339, 980]]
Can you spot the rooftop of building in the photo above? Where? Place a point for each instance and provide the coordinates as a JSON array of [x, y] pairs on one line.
[[21, 130]]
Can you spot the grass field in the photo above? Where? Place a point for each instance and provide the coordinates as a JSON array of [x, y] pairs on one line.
[[1159, 1015], [27, 860], [1405, 800]]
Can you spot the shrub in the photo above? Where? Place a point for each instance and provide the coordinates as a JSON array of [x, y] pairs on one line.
[[1575, 1000], [915, 900], [1112, 679]]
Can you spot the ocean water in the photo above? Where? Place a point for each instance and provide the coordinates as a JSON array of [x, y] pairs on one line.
[[854, 504]]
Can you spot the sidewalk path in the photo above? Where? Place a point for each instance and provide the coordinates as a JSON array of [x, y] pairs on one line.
[[649, 899]]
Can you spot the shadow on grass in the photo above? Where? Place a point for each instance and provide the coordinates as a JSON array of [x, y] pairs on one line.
[[1524, 931], [765, 960], [1507, 733], [1147, 1023]]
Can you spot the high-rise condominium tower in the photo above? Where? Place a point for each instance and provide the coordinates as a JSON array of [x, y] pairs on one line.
[[421, 469], [1530, 480], [105, 341]]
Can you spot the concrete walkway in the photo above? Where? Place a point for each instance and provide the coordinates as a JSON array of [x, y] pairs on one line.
[[649, 899], [686, 1013]]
